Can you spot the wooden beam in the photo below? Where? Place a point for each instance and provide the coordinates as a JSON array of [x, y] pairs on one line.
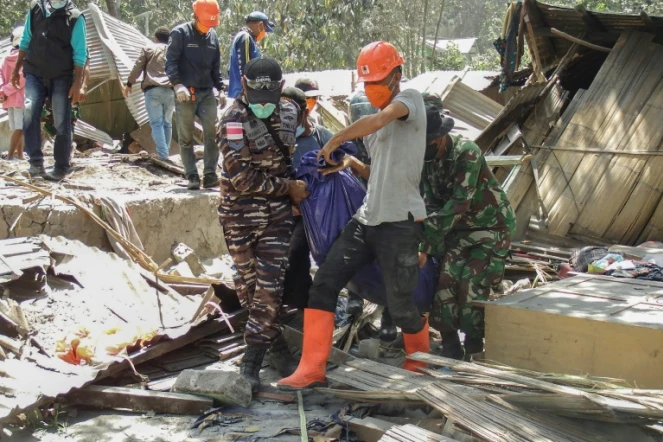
[[579, 41], [369, 429], [140, 401], [596, 150], [534, 14], [646, 19], [505, 160], [593, 24], [538, 66], [598, 37]]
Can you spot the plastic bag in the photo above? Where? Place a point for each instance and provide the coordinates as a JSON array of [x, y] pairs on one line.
[[600, 266], [333, 200], [368, 284]]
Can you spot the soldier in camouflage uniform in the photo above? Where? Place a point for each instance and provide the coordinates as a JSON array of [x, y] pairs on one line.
[[469, 228], [257, 138]]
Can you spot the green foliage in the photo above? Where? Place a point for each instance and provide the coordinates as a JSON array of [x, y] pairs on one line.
[[328, 34], [451, 60], [12, 14]]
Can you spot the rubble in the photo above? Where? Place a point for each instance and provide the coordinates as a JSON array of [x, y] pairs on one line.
[[223, 386]]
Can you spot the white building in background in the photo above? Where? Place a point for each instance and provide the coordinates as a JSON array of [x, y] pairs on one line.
[[466, 46]]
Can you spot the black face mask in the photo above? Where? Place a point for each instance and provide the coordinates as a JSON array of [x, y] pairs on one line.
[[431, 152]]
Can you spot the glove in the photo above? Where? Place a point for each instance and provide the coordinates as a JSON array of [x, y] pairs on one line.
[[182, 93]]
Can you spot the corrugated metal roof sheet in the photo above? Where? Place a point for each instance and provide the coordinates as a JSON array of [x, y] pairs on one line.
[[122, 43], [333, 83], [465, 45], [437, 81]]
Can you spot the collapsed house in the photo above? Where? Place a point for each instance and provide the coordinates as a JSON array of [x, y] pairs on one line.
[[592, 127]]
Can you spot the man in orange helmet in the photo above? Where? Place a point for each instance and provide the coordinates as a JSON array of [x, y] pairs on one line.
[[387, 227], [193, 66]]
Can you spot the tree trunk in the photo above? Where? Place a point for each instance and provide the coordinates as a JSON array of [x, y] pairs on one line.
[[423, 38], [437, 31], [113, 8]]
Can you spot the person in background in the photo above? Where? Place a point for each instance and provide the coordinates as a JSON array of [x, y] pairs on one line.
[[53, 55], [310, 137], [469, 228], [159, 95], [386, 228], [312, 91], [257, 137], [193, 63], [244, 49], [13, 99]]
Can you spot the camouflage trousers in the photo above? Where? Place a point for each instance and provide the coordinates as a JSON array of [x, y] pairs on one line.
[[472, 264], [260, 254]]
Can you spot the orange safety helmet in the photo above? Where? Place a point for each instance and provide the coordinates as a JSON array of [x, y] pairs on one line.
[[376, 60], [207, 12]]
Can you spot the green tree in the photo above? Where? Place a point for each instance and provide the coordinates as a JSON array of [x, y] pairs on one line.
[[12, 14]]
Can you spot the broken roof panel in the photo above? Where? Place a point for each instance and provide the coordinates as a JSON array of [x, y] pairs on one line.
[[601, 28], [333, 83], [436, 82]]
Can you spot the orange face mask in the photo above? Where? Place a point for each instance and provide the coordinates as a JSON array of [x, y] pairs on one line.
[[310, 103], [378, 95], [261, 35], [201, 28]]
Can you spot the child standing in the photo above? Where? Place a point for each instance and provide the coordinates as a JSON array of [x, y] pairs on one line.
[[13, 99]]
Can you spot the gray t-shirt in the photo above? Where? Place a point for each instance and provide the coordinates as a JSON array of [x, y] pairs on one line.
[[397, 159]]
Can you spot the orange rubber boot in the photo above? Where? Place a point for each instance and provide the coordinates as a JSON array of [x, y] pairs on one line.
[[414, 343], [318, 337]]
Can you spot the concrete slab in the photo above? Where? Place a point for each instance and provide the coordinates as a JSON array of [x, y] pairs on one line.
[[162, 211]]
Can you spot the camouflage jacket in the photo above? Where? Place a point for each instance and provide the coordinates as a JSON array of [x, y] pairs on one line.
[[462, 194], [256, 172]]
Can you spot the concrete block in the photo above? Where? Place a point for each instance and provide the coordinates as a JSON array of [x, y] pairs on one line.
[[223, 386]]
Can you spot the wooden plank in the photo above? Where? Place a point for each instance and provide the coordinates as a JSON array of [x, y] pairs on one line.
[[413, 433], [499, 422], [286, 399], [505, 160], [615, 199], [597, 104], [140, 401], [369, 429]]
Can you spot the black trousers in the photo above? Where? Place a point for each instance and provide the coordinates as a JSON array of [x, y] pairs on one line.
[[395, 246], [298, 276]]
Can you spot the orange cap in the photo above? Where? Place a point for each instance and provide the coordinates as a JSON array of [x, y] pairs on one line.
[[376, 60], [207, 12]]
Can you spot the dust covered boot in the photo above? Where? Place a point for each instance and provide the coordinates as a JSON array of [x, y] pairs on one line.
[[388, 331], [451, 347], [251, 365], [355, 305], [280, 358]]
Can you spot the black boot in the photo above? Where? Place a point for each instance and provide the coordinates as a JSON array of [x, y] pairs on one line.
[[451, 347], [280, 358], [194, 182], [355, 305], [473, 346], [251, 364], [388, 332]]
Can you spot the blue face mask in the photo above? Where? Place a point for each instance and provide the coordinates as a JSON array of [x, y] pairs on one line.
[[58, 4], [300, 130], [262, 111]]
